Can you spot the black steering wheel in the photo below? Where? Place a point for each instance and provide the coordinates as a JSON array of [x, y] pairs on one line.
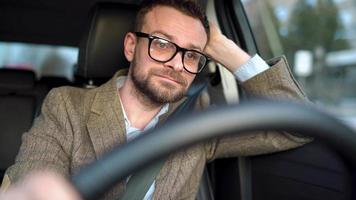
[[96, 178]]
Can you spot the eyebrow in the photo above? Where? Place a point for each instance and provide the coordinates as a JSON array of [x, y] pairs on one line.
[[171, 38]]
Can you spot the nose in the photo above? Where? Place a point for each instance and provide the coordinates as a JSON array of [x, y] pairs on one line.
[[176, 62]]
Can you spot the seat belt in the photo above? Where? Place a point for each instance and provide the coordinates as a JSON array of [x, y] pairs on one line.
[[141, 181]]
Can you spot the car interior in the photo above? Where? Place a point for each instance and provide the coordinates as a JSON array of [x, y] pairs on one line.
[[97, 28]]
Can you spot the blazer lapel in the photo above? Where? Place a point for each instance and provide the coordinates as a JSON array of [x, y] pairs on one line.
[[106, 124], [166, 178]]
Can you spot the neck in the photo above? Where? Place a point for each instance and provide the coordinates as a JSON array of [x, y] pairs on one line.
[[139, 109]]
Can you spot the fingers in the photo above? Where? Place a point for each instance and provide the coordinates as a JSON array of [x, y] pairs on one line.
[[214, 34], [224, 51]]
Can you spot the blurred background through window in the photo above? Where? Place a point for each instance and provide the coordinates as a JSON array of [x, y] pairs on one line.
[[44, 60], [318, 38]]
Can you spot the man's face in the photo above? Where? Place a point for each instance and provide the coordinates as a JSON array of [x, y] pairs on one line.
[[166, 82]]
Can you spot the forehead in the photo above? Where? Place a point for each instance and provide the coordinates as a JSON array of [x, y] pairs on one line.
[[185, 30]]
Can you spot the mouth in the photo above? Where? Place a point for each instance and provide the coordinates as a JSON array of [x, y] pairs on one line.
[[169, 79]]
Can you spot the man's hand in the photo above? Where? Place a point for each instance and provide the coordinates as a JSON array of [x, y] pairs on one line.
[[44, 186], [225, 51]]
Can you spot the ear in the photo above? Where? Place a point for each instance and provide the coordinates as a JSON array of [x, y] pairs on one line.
[[129, 46]]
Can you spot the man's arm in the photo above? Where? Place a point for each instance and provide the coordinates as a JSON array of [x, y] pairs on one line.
[[48, 143], [275, 82]]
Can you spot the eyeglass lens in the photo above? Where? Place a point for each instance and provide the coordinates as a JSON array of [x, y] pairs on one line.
[[163, 50]]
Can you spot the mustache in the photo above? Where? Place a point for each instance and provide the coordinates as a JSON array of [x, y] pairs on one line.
[[176, 76]]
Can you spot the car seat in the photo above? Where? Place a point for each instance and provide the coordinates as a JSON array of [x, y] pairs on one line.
[[18, 105], [101, 49]]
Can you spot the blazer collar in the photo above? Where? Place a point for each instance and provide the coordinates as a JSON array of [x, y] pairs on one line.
[[106, 124]]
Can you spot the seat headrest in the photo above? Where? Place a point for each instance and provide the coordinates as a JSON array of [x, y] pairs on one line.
[[15, 79], [101, 50]]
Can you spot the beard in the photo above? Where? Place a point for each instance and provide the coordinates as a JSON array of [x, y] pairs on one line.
[[158, 92]]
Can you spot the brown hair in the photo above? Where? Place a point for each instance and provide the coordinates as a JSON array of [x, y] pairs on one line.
[[188, 7]]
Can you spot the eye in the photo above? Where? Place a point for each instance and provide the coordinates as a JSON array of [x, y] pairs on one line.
[[162, 44], [192, 55]]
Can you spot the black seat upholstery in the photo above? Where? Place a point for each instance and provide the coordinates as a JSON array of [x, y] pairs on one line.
[[51, 82], [314, 172], [18, 103], [101, 49]]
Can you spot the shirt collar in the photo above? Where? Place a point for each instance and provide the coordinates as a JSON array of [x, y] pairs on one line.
[[119, 83]]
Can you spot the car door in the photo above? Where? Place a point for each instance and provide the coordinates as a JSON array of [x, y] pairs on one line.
[[320, 62]]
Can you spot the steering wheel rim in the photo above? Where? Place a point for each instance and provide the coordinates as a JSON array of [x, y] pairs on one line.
[[93, 180]]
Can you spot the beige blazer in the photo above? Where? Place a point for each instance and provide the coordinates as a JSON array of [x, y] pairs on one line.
[[78, 125]]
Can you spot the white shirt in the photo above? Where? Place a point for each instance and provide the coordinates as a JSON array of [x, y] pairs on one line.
[[251, 68]]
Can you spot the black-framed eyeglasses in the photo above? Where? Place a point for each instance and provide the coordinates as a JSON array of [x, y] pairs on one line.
[[162, 50]]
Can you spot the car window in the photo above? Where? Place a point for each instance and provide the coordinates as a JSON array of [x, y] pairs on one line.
[[318, 39], [44, 60]]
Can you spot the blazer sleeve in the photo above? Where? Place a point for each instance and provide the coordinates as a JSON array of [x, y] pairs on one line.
[[48, 144], [276, 83]]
